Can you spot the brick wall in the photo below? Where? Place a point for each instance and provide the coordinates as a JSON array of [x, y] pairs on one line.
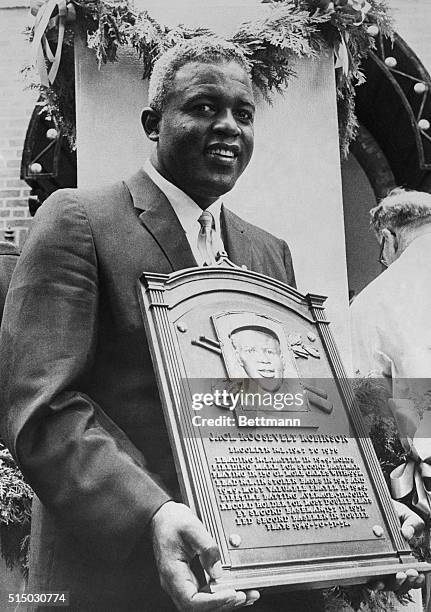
[[16, 105]]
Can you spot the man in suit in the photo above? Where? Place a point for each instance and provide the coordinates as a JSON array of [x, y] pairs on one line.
[[80, 405], [82, 413], [9, 254]]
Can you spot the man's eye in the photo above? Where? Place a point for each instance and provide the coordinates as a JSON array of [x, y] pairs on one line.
[[250, 349], [204, 108], [244, 116]]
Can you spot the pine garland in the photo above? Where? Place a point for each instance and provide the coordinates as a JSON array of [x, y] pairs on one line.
[[291, 29], [15, 512], [359, 598]]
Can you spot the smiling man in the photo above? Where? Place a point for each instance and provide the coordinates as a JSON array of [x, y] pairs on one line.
[[203, 125], [80, 406]]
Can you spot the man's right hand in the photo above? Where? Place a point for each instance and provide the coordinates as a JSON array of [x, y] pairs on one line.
[[178, 536]]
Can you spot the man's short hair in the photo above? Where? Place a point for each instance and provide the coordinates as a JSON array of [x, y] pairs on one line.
[[202, 49], [401, 208]]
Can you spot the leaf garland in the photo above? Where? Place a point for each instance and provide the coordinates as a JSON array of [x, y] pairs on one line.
[[15, 511], [291, 29]]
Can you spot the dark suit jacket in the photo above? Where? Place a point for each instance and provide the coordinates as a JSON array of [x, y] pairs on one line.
[[9, 254], [80, 406]]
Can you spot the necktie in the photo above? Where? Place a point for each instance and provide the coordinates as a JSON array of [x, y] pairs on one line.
[[205, 239]]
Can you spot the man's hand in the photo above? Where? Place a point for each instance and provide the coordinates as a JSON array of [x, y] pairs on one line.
[[411, 523], [36, 4], [402, 582], [178, 536]]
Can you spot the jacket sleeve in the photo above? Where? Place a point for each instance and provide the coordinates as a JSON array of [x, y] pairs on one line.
[[80, 464]]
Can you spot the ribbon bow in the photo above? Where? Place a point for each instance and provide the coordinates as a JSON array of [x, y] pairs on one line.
[[361, 7], [41, 48], [415, 437], [341, 54], [355, 12]]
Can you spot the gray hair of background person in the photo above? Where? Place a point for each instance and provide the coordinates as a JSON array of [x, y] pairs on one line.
[[401, 209], [202, 49]]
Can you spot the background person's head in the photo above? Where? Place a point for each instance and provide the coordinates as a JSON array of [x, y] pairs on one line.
[[400, 218], [259, 353], [200, 115]]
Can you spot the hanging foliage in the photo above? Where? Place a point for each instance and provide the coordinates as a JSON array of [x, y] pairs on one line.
[[289, 29]]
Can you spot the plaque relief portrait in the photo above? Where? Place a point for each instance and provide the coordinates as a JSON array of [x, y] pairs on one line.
[[256, 349]]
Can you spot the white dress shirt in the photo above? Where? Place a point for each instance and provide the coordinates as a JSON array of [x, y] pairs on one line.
[[391, 338], [390, 318], [390, 323], [188, 212]]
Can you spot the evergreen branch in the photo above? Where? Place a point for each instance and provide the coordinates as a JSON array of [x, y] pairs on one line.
[[290, 29]]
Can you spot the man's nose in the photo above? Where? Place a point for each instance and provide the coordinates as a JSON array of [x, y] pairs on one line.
[[225, 122]]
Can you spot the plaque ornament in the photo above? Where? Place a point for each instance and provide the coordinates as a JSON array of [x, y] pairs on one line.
[[269, 445]]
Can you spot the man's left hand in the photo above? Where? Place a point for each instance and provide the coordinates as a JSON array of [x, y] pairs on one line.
[[411, 525]]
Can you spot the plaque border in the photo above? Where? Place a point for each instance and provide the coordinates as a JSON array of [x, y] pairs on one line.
[[194, 477]]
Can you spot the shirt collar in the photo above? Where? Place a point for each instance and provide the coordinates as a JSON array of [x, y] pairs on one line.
[[187, 211], [418, 241]]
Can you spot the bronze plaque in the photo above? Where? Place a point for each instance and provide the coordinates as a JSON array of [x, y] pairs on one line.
[[269, 445]]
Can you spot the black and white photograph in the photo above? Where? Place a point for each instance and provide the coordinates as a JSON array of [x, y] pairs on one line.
[[220, 189]]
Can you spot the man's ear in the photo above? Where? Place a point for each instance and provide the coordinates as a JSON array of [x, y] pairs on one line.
[[390, 239], [150, 120]]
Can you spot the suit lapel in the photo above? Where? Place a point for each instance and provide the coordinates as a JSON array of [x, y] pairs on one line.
[[238, 245], [158, 217]]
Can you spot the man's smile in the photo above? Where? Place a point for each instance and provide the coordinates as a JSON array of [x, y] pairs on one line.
[[223, 152]]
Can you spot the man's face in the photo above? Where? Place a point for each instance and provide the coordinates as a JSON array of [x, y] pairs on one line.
[[260, 356], [205, 133]]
